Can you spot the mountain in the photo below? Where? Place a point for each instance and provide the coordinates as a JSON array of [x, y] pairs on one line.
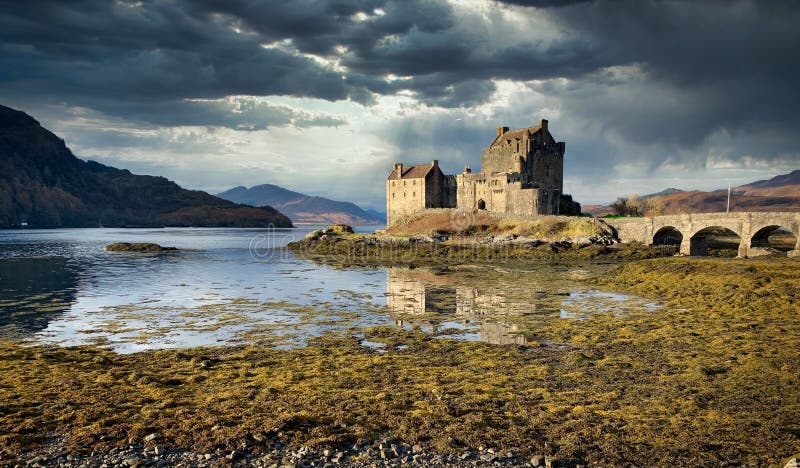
[[302, 208], [668, 191], [44, 185], [780, 193], [785, 185], [376, 214]]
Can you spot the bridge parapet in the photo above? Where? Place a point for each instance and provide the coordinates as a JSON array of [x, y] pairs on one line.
[[747, 225]]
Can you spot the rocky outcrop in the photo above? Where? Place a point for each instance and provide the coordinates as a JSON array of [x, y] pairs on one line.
[[140, 247]]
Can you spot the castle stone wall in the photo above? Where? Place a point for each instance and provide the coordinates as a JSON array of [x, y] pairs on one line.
[[522, 173], [404, 197]]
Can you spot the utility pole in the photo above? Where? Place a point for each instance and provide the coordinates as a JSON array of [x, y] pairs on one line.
[[728, 208]]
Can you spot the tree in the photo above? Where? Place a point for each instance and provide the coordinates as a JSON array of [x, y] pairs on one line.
[[654, 206], [633, 205], [619, 207]]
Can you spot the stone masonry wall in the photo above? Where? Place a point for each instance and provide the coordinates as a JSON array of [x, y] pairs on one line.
[[404, 197]]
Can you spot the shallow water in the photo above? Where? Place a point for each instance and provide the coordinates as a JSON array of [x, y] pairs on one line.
[[231, 286]]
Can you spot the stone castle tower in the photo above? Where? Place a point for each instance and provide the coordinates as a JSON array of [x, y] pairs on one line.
[[522, 174]]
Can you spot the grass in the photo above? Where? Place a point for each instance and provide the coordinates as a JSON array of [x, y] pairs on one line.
[[359, 251], [709, 379], [549, 228]]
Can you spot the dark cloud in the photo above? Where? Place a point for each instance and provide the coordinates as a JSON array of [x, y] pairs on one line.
[[633, 81], [543, 3]]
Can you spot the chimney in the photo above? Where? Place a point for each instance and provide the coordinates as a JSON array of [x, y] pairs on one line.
[[467, 170], [543, 124], [435, 162], [501, 130], [398, 169]]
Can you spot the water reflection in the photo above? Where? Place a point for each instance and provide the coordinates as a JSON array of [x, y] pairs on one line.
[[60, 287], [497, 307], [442, 303], [34, 291]]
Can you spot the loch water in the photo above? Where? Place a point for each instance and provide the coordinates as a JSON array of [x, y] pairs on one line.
[[235, 286]]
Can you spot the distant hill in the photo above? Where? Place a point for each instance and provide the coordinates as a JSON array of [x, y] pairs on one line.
[[377, 214], [709, 202], [44, 185], [780, 193], [302, 208], [786, 185], [668, 191]]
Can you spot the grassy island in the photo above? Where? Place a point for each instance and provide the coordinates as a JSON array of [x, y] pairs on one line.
[[449, 237]]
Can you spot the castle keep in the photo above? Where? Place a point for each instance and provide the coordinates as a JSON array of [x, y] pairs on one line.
[[522, 174]]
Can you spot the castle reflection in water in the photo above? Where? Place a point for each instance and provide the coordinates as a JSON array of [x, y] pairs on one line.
[[431, 302]]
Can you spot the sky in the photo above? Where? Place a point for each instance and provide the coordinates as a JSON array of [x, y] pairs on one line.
[[322, 97]]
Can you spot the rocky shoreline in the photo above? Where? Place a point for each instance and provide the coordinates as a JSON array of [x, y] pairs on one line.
[[268, 453], [337, 232], [339, 243]]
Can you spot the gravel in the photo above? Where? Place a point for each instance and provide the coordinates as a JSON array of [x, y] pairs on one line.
[[265, 451]]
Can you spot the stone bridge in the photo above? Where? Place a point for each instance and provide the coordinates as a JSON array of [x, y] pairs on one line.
[[692, 230]]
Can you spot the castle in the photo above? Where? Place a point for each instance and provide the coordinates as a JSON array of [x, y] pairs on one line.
[[522, 175]]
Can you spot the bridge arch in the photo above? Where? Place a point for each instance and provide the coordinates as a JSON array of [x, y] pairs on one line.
[[667, 235], [774, 236], [720, 240]]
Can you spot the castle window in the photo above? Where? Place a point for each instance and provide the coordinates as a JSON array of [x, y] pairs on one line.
[[414, 194], [404, 194], [404, 183], [393, 195], [414, 182]]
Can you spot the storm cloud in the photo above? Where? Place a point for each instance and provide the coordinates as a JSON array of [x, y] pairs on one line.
[[664, 87]]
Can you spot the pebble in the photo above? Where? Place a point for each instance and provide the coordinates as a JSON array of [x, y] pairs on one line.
[[272, 451]]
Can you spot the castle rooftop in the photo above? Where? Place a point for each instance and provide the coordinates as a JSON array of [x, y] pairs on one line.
[[412, 172]]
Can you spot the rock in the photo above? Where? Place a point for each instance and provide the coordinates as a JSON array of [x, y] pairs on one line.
[[537, 460], [416, 448], [340, 229], [151, 437], [159, 450], [527, 242], [583, 241], [140, 247], [504, 239], [133, 462], [314, 235], [753, 252]]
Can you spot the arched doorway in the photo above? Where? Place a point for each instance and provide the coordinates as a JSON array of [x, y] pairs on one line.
[[771, 239], [481, 205], [715, 241], [668, 235]]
